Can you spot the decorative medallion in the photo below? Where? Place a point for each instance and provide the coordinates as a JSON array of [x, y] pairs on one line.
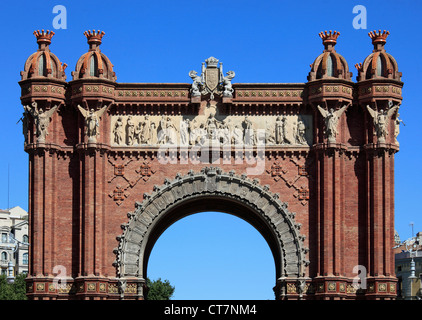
[[119, 194], [382, 287], [331, 286], [102, 287], [91, 286], [40, 286], [145, 171]]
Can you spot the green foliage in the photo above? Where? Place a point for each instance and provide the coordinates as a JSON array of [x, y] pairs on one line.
[[159, 290], [13, 291]]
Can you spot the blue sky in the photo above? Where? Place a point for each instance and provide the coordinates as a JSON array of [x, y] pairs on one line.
[[262, 41]]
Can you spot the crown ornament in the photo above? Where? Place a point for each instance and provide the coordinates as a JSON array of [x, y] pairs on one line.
[[212, 62], [359, 66], [94, 37], [329, 38], [43, 37], [378, 37]]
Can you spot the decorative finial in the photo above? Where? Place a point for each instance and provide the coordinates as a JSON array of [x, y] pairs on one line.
[[94, 38], [378, 37], [329, 40], [43, 38], [359, 66]]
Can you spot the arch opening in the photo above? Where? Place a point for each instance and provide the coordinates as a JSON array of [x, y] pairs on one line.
[[215, 204], [211, 189], [214, 255]]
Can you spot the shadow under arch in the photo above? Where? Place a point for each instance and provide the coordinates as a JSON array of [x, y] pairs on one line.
[[211, 189]]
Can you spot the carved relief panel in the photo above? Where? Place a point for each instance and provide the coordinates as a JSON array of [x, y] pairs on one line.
[[135, 130]]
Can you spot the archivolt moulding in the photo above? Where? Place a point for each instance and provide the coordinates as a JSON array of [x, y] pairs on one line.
[[259, 206]]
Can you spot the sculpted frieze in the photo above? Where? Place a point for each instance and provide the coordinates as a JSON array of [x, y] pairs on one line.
[[210, 129]]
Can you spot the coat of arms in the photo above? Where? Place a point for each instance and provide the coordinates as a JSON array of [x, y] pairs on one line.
[[211, 81]]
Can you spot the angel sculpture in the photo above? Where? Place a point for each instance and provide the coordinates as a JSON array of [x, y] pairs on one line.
[[91, 122], [42, 119], [380, 121], [397, 122], [24, 120], [331, 118]]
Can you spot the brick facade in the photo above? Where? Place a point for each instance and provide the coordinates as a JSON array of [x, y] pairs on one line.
[[340, 188]]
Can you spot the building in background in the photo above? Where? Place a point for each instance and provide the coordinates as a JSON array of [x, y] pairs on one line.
[[14, 241], [408, 261]]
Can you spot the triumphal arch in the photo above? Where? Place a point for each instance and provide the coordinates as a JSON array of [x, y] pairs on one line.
[[309, 165]]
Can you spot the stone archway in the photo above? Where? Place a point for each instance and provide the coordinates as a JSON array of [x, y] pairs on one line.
[[237, 195]]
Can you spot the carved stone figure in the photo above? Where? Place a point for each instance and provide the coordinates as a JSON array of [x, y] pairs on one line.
[[145, 130], [130, 131], [285, 130], [301, 287], [184, 132], [212, 125], [137, 133], [122, 284], [250, 138], [118, 131], [162, 132], [237, 137], [269, 134], [24, 120], [300, 132], [227, 84], [279, 136], [397, 122], [173, 132], [380, 119], [192, 132], [331, 118], [92, 122], [196, 85], [168, 131], [42, 120], [224, 133], [153, 134]]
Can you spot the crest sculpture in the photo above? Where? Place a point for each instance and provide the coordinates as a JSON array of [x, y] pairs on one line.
[[212, 81]]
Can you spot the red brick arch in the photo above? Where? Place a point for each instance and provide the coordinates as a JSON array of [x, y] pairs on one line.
[[211, 189]]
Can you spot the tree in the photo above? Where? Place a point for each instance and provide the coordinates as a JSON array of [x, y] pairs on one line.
[[13, 291], [159, 290]]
